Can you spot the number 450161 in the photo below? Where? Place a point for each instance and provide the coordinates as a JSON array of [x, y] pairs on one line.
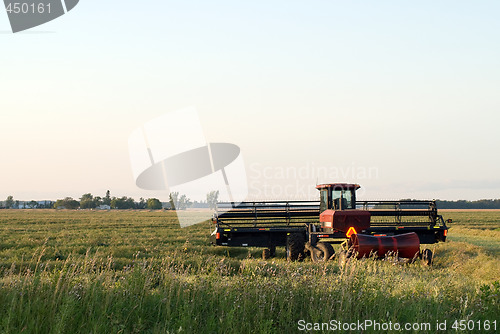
[[27, 8], [470, 325]]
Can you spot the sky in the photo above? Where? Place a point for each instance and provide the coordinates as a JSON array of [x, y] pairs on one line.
[[401, 97]]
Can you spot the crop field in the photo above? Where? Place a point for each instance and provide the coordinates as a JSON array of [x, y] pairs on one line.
[[139, 272]]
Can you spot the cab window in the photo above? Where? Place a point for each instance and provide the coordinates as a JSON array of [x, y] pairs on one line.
[[336, 196], [347, 200], [323, 204]]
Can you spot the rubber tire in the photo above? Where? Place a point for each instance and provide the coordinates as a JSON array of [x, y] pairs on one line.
[[272, 250], [266, 253], [325, 251], [295, 245], [427, 257]]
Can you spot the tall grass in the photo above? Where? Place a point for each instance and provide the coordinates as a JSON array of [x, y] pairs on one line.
[[165, 279]]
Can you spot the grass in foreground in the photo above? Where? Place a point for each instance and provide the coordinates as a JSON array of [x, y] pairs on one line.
[[81, 271]]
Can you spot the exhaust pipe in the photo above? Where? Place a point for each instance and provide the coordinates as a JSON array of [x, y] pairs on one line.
[[406, 245]]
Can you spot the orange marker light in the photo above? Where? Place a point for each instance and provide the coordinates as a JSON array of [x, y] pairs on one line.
[[445, 233], [217, 236], [350, 232]]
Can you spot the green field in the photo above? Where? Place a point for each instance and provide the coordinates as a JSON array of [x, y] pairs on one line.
[[138, 272]]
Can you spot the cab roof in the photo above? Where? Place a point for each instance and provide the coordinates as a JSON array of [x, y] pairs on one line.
[[346, 186]]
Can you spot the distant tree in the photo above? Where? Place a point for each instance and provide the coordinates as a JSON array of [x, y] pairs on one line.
[[122, 203], [142, 203], [87, 201], [71, 204], [107, 199], [33, 204], [179, 203], [16, 205], [212, 199], [67, 203], [184, 203], [9, 202], [130, 203], [173, 199], [154, 204]]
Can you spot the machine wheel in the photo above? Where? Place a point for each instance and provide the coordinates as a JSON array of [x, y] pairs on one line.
[[295, 247], [427, 257], [266, 253], [272, 251], [324, 253]]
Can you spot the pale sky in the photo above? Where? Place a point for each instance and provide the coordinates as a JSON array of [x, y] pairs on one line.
[[402, 97]]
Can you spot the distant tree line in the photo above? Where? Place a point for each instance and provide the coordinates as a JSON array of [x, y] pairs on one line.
[[10, 203], [443, 204], [181, 202], [89, 201], [461, 204]]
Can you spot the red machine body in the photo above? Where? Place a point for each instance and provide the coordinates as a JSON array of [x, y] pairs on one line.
[[406, 245], [345, 219]]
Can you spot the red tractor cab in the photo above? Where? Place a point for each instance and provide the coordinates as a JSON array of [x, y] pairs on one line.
[[338, 209]]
